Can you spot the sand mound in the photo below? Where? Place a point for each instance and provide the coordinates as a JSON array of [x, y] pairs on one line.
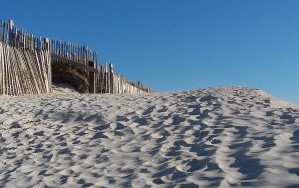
[[218, 137], [63, 88]]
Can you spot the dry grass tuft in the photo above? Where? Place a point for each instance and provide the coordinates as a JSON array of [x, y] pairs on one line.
[[64, 73]]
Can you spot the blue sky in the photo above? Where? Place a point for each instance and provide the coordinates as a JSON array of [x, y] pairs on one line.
[[174, 45]]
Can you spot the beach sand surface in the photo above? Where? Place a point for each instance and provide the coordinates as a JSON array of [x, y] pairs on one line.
[[215, 137]]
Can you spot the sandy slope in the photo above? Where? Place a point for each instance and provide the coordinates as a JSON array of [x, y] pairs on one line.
[[212, 137]]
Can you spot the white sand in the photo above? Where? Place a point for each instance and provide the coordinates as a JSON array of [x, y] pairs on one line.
[[208, 138]]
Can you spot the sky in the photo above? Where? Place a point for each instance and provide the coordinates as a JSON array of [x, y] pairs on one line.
[[176, 45]]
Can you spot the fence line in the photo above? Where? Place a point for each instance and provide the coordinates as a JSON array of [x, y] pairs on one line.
[[18, 38], [107, 81], [73, 52], [42, 51], [24, 71]]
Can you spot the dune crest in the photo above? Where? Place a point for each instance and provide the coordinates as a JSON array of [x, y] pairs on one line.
[[216, 137]]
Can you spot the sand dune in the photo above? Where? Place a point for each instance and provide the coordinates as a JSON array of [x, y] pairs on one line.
[[217, 137]]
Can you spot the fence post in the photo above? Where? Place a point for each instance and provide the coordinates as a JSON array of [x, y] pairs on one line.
[[47, 48], [1, 31], [92, 77], [10, 34], [111, 78], [107, 80]]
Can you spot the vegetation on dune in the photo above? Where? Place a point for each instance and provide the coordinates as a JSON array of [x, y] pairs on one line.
[[64, 73]]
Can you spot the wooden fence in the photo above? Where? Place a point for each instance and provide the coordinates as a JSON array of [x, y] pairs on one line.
[[20, 49], [18, 38], [103, 79], [73, 52], [25, 62], [107, 81]]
